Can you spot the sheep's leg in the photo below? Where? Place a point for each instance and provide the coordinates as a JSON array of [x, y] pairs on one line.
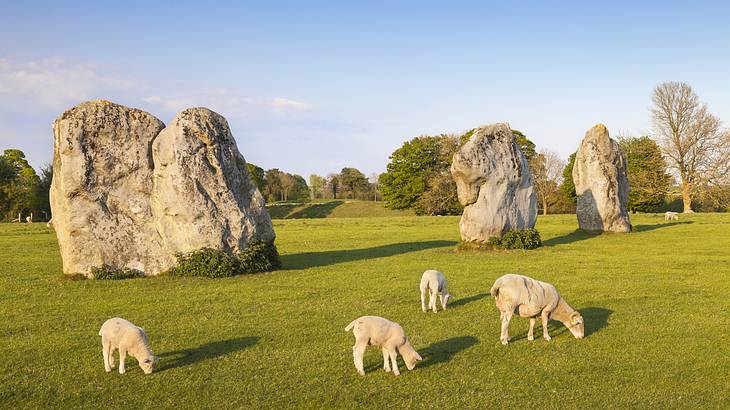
[[423, 299], [358, 350], [441, 298], [386, 363], [105, 351], [111, 356], [506, 317], [545, 316], [394, 359], [433, 302], [531, 332], [122, 358]]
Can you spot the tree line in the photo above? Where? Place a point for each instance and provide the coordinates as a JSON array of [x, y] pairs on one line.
[[684, 165], [22, 190]]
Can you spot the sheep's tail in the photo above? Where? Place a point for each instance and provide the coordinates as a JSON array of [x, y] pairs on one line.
[[495, 290], [350, 326]]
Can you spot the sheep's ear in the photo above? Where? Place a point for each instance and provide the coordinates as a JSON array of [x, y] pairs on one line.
[[418, 356]]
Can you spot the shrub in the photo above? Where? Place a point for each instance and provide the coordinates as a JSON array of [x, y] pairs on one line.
[[206, 262], [108, 272], [213, 263], [513, 239], [520, 239], [259, 256]]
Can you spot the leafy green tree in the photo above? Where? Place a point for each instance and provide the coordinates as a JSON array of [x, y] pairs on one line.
[[647, 172], [568, 186], [353, 184], [299, 190], [43, 204], [317, 185], [526, 146], [408, 170], [19, 193], [273, 185], [257, 175], [441, 198]]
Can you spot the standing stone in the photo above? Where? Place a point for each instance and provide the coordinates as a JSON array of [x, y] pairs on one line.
[[494, 185], [131, 194], [601, 183], [203, 195]]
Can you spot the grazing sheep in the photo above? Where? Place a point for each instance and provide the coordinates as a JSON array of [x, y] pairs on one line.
[[533, 298], [671, 216], [435, 282], [377, 331], [118, 333]]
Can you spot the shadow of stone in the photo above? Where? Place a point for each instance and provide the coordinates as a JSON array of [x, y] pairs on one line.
[[326, 258], [466, 301], [647, 228], [185, 357], [445, 350], [575, 236]]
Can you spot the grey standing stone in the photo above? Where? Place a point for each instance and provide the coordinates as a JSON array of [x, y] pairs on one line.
[[128, 192], [494, 185], [601, 183]]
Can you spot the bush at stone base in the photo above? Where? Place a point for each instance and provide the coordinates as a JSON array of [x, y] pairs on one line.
[[213, 263], [108, 272], [513, 239]]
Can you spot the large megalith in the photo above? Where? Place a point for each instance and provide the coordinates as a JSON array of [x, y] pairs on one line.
[[601, 183], [494, 185], [129, 193]]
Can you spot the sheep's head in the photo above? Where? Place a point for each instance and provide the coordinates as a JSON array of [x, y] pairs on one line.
[[148, 364], [575, 325], [410, 355], [447, 297]]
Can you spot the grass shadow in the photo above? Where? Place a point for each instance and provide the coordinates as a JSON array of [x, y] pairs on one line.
[[280, 211], [445, 350], [646, 228], [316, 210], [466, 301], [595, 319], [185, 357], [575, 236], [315, 259]]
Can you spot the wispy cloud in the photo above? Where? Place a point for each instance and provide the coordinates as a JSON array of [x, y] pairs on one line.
[[54, 83], [229, 103]]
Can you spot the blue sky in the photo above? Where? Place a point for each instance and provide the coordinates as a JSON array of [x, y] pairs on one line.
[[311, 87]]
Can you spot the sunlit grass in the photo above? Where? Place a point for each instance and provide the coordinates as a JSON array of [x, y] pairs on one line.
[[656, 305]]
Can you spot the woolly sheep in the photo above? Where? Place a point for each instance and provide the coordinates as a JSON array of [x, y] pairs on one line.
[[435, 282], [121, 334], [671, 216], [377, 331], [533, 298]]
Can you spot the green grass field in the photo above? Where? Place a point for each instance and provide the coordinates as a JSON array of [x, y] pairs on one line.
[[656, 304]]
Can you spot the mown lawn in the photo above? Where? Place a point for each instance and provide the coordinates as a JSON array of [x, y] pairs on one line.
[[656, 304]]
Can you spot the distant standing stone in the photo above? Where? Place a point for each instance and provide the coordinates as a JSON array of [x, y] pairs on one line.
[[601, 183], [494, 185]]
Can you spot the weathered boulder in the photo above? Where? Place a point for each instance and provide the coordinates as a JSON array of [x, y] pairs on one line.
[[601, 183], [494, 185], [130, 193]]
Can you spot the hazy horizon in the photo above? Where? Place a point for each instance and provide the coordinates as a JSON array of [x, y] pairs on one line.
[[314, 88]]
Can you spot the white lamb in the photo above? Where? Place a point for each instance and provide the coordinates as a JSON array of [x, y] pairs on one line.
[[671, 216], [121, 334], [435, 282], [532, 298], [377, 331]]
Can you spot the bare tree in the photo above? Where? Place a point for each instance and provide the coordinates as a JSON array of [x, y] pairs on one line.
[[547, 174], [287, 183], [375, 185], [692, 139]]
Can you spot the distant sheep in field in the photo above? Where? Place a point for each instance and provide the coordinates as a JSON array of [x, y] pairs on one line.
[[435, 282], [671, 216], [532, 298], [121, 334], [377, 331]]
